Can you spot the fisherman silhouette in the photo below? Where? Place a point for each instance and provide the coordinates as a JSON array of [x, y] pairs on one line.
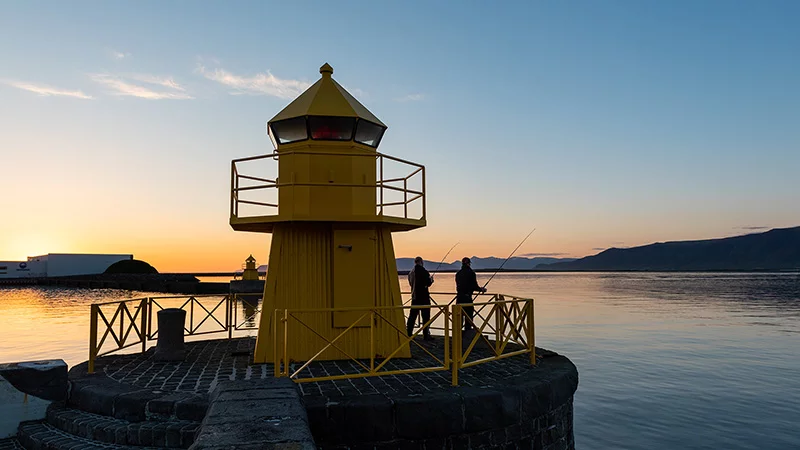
[[420, 296]]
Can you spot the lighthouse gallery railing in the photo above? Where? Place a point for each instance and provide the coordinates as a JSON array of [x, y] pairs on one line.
[[393, 192]]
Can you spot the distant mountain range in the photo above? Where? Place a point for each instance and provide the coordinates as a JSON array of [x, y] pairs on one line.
[[777, 249], [491, 262]]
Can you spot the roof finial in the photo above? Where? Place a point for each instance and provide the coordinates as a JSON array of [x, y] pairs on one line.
[[326, 70]]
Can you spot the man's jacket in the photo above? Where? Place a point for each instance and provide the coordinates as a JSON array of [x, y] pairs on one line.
[[422, 281], [466, 284]]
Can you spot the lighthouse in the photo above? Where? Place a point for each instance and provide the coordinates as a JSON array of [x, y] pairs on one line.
[[335, 203]]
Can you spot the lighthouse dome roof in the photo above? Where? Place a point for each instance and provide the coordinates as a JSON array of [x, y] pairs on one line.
[[326, 97], [326, 111]]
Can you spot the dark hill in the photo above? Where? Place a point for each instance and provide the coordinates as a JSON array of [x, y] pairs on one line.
[[488, 263], [128, 266], [777, 249]]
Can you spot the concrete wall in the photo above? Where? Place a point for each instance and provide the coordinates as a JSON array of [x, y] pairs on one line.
[[26, 390], [532, 410], [61, 265]]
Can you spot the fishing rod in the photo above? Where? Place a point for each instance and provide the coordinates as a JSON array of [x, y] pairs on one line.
[[445, 257], [499, 268], [504, 262], [437, 269], [483, 288], [440, 264]]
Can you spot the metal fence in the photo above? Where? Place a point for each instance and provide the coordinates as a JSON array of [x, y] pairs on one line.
[[504, 327], [119, 325]]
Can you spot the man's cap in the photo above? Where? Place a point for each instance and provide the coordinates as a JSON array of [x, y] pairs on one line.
[[465, 260], [418, 259]]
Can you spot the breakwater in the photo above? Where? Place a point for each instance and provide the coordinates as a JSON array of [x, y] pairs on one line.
[[166, 283]]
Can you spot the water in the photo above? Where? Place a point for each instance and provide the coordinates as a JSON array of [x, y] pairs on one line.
[[666, 361]]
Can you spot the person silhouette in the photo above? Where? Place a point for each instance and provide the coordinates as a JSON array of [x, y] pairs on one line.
[[420, 296], [466, 284]]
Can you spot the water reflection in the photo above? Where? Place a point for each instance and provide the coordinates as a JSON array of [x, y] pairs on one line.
[[670, 360], [250, 306]]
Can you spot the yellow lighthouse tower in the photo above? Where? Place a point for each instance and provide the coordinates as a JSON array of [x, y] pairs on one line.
[[331, 211]]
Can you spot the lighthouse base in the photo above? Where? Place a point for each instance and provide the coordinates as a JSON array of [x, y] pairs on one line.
[[505, 403], [531, 409], [328, 276]]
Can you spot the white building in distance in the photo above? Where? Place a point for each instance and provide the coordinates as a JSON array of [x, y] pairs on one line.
[[59, 265]]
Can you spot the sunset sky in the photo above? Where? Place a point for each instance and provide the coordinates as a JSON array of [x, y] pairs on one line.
[[599, 123]]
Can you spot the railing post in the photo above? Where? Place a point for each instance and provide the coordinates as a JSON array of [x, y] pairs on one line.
[[424, 199], [498, 327], [531, 332], [92, 337], [456, 344], [231, 303], [143, 312], [233, 169], [405, 197], [191, 315], [381, 164], [447, 342], [121, 307]]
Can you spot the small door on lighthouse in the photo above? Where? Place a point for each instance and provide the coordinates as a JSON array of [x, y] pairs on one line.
[[353, 274]]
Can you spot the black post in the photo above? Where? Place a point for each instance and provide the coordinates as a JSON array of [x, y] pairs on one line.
[[170, 335]]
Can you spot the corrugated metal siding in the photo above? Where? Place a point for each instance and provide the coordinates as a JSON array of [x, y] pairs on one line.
[[300, 265]]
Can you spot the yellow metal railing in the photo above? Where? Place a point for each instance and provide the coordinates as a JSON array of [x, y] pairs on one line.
[[399, 185], [376, 364], [503, 325], [116, 326]]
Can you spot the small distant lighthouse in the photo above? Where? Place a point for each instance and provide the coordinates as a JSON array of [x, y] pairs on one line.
[[250, 271], [338, 203]]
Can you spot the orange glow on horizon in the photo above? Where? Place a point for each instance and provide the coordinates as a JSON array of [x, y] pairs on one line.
[[202, 244]]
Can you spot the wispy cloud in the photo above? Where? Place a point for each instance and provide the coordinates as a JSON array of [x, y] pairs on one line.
[[410, 98], [599, 249], [117, 55], [259, 84], [46, 91], [123, 87], [531, 255], [167, 82], [356, 92], [753, 228]]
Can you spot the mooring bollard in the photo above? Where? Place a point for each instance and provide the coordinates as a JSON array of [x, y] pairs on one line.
[[170, 335]]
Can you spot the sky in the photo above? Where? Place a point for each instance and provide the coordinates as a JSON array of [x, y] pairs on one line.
[[601, 124]]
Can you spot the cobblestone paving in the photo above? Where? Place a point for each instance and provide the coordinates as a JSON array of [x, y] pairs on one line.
[[209, 362], [10, 444]]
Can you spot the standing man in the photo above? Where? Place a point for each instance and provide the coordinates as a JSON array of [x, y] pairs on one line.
[[420, 296], [466, 284], [411, 279]]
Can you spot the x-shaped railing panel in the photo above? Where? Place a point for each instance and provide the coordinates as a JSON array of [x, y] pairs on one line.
[[377, 364]]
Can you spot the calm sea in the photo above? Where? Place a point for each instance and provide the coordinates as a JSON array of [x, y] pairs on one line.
[[666, 361]]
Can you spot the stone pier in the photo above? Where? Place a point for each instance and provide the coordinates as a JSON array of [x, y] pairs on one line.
[[217, 398]]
